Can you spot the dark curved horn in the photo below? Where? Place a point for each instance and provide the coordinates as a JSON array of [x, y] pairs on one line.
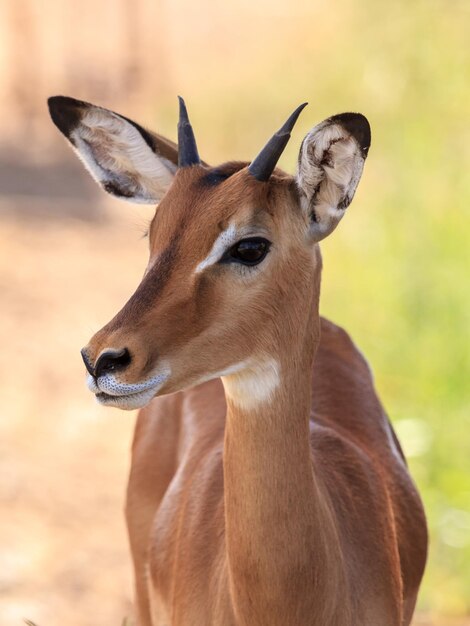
[[187, 148], [263, 165]]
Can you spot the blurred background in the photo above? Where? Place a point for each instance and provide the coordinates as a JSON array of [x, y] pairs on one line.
[[396, 270]]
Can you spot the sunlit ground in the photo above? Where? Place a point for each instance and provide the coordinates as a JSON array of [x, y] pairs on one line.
[[63, 552]]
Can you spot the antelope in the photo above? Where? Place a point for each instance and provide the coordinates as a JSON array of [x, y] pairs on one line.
[[267, 486]]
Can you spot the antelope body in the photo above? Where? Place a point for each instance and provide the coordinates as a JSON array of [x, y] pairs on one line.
[[267, 486]]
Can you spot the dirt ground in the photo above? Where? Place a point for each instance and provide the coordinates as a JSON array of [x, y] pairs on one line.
[[63, 550]]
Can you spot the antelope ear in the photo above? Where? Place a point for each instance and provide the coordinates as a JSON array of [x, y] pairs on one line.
[[125, 159], [331, 161]]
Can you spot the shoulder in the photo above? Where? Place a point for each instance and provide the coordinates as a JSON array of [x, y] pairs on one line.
[[336, 343]]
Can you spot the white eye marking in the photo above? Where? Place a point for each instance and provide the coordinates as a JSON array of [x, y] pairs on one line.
[[225, 240], [254, 385]]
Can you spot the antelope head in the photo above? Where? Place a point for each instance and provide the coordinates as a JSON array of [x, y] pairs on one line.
[[232, 282]]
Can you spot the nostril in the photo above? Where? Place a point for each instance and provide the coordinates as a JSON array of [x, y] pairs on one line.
[[112, 360]]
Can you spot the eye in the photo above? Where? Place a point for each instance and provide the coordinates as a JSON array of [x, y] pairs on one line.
[[247, 251]]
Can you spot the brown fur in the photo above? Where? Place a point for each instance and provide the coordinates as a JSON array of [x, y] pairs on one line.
[[289, 504], [298, 511], [175, 507]]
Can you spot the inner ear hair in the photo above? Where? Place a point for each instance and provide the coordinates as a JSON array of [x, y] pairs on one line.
[[331, 161], [127, 160]]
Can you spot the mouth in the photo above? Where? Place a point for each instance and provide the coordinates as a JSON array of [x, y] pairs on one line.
[[127, 402], [128, 396]]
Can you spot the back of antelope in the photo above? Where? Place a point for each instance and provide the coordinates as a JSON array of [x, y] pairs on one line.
[[267, 485]]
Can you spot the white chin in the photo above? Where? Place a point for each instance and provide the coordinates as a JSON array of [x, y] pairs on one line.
[[127, 402]]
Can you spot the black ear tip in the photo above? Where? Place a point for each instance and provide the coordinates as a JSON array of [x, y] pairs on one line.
[[358, 126], [65, 112]]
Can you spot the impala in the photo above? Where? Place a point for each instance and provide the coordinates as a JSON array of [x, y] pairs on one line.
[[267, 486]]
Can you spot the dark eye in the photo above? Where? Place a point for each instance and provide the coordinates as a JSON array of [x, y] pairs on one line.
[[247, 251]]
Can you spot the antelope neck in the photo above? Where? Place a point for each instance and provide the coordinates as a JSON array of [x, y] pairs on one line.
[[277, 521]]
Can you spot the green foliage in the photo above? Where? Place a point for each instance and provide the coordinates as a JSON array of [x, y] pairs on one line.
[[396, 271]]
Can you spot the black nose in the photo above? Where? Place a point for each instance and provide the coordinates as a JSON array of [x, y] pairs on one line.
[[108, 361], [87, 361]]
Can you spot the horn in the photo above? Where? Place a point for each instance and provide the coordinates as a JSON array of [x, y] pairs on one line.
[[263, 165], [187, 148]]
